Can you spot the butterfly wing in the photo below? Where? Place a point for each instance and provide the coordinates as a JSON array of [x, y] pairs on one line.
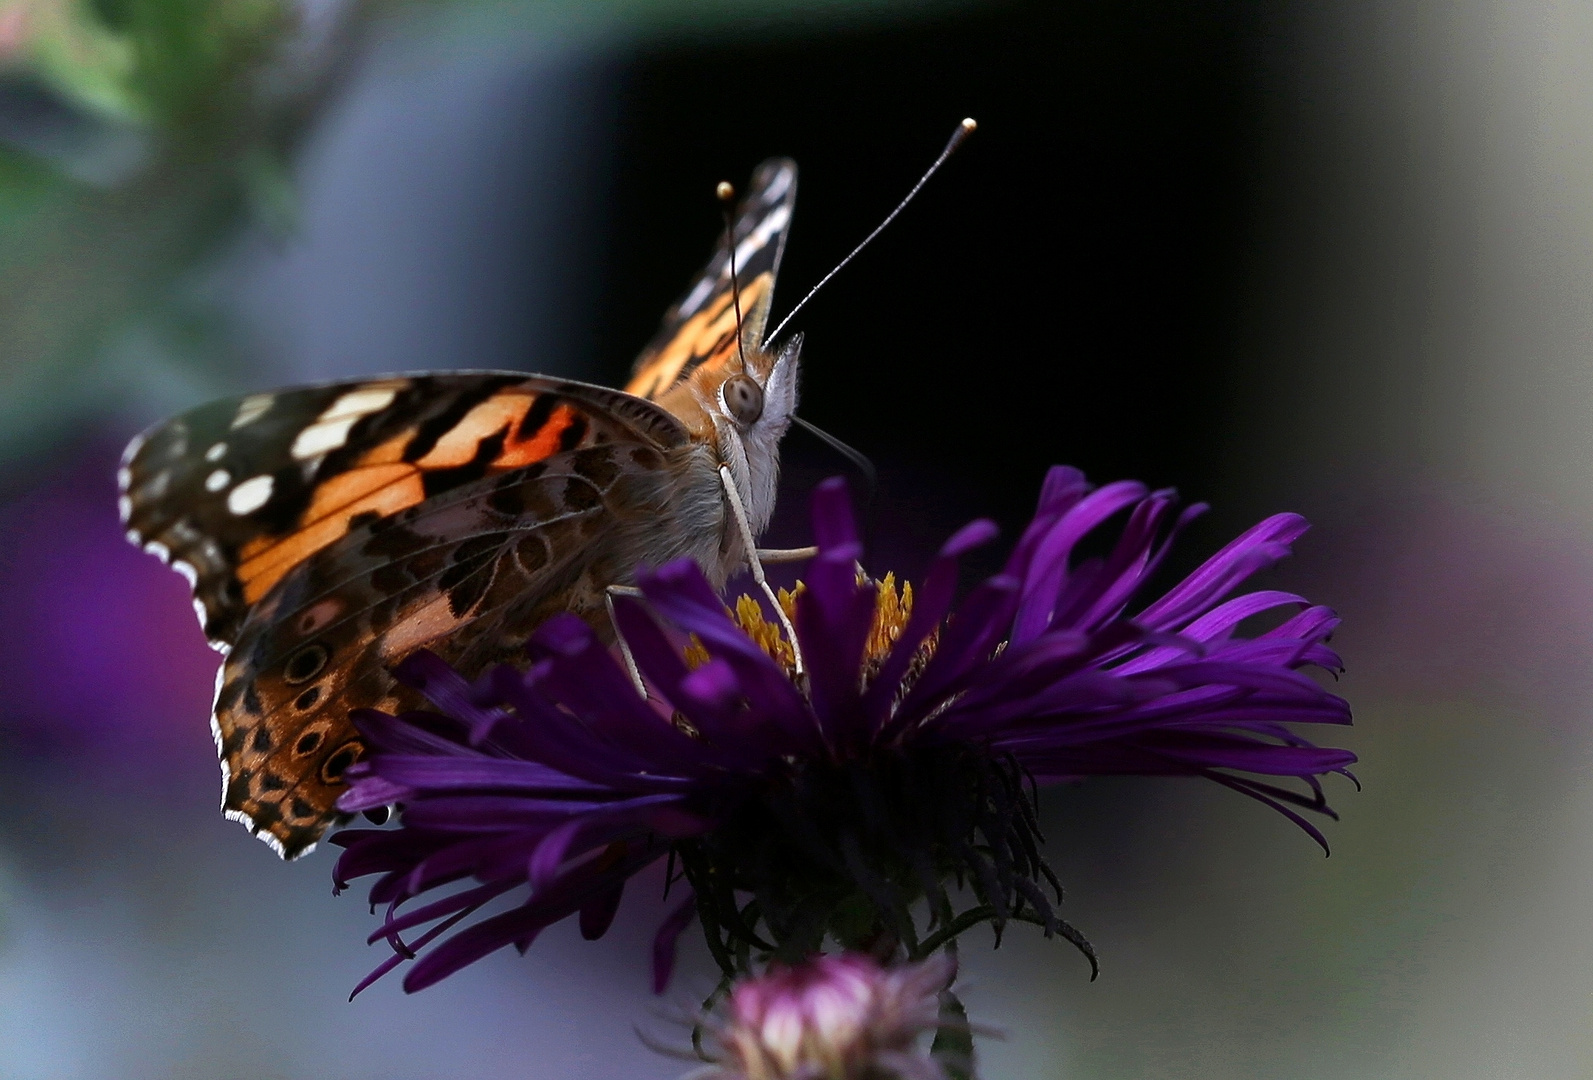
[[701, 328], [455, 512], [236, 493]]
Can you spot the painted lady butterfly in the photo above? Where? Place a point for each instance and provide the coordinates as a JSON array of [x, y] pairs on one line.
[[329, 531]]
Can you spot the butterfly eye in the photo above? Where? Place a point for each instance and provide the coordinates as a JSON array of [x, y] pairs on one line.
[[743, 399]]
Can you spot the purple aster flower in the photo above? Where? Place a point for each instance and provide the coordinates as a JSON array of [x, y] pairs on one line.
[[830, 1018], [854, 803]]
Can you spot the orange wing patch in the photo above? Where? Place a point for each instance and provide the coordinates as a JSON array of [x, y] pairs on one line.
[[708, 337], [564, 426], [382, 483]]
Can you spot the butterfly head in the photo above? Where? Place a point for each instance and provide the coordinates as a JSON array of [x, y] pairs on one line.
[[745, 410], [757, 404]]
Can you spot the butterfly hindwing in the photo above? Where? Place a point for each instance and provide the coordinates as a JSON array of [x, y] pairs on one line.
[[467, 574], [701, 327]]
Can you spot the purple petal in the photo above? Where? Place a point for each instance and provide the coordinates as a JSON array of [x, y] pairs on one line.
[[551, 735], [680, 593], [497, 813], [445, 688], [833, 618], [1260, 546], [448, 905], [833, 524], [709, 697], [501, 774], [597, 914], [591, 830], [1043, 576], [668, 937], [523, 923], [590, 684], [968, 640], [370, 792]]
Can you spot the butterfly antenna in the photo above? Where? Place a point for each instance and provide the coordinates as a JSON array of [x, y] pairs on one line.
[[964, 129], [850, 453], [727, 195]]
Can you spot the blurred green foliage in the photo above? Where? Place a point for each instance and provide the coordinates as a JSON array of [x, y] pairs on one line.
[[136, 134], [132, 133]]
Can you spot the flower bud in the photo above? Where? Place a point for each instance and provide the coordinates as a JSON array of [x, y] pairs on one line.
[[831, 1018]]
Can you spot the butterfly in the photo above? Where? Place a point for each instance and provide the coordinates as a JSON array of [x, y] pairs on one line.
[[329, 531]]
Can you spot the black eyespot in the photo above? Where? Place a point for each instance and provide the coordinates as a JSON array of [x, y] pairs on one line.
[[377, 816], [305, 664], [307, 699], [338, 763], [743, 399], [307, 743]]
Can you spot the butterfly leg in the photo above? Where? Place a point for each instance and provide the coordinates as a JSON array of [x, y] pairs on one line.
[[779, 555], [756, 566], [625, 649]]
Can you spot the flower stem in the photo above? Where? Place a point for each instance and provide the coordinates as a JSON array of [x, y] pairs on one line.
[[953, 1046]]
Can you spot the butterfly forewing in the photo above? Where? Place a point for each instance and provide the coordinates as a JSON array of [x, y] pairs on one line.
[[701, 327], [237, 492]]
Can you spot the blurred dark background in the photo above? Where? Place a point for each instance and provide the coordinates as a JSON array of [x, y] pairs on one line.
[[1064, 291], [1331, 258]]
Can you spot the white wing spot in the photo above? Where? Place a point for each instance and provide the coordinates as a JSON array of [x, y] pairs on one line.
[[186, 569], [318, 438], [215, 733], [778, 186], [251, 409], [698, 294], [250, 495], [124, 478], [215, 724], [218, 480], [159, 550], [134, 445], [357, 403], [217, 452], [124, 506], [759, 237]]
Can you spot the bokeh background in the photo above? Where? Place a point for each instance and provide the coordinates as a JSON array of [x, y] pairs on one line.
[[1330, 256]]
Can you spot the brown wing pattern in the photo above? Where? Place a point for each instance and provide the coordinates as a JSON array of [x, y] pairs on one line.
[[238, 492], [468, 574], [700, 328], [452, 511]]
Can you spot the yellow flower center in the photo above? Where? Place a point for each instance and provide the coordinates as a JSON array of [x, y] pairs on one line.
[[893, 606]]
